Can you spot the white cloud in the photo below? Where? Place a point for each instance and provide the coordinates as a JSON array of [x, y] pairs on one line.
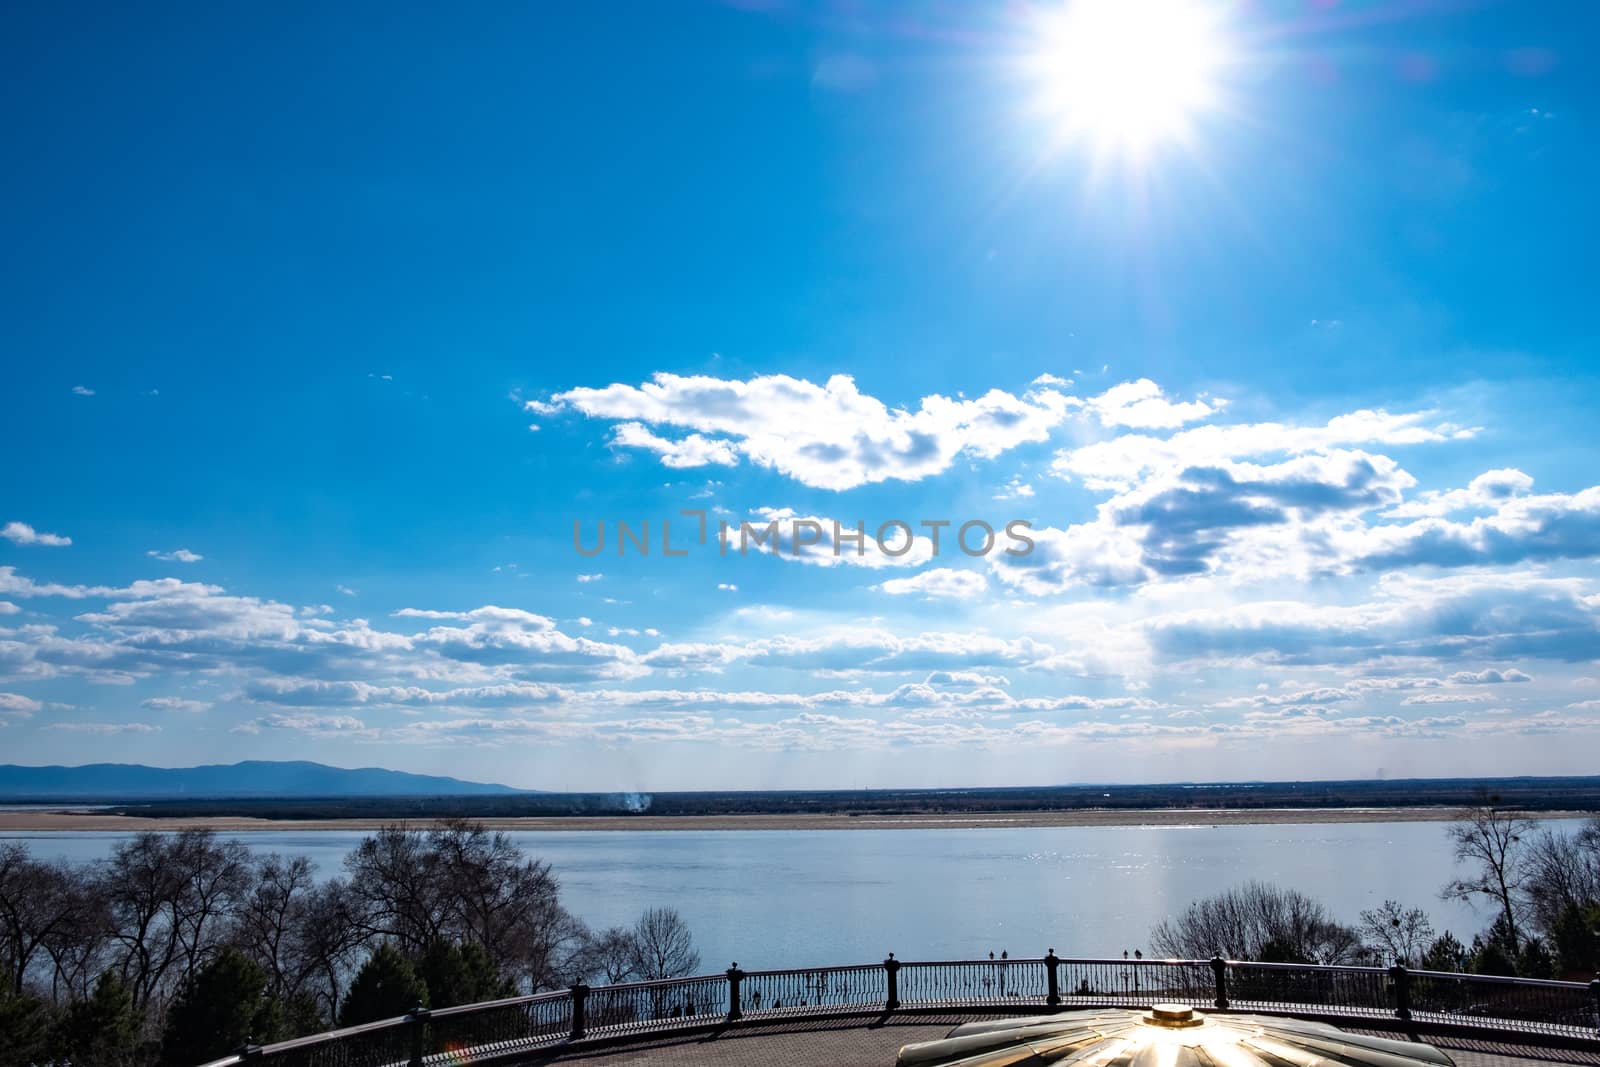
[[1015, 489], [1196, 528], [827, 542], [590, 577], [16, 584], [1475, 616], [1520, 528], [694, 450], [17, 704], [521, 643], [489, 614], [1488, 676], [155, 627], [1267, 501], [1123, 461], [938, 583], [881, 651], [82, 390], [727, 587], [20, 533], [182, 555], [829, 436], [105, 727], [852, 650], [175, 704], [966, 678], [1092, 554], [310, 725], [317, 692], [1142, 405], [1487, 490]]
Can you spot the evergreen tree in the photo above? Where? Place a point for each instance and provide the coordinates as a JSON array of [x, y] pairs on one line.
[[1535, 960], [301, 1015], [101, 1030], [1575, 935], [459, 974], [217, 1010], [1495, 951], [24, 1029], [386, 986], [1445, 954]]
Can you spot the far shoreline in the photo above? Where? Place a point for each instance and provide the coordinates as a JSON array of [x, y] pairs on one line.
[[67, 821]]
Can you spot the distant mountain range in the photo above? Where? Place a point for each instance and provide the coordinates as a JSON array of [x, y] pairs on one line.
[[253, 778]]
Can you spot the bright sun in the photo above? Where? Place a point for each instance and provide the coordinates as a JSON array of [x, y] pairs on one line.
[[1127, 75]]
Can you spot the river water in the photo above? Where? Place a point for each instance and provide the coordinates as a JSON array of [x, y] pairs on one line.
[[797, 898]]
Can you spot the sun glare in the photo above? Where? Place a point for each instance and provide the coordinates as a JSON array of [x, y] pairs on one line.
[[1128, 75]]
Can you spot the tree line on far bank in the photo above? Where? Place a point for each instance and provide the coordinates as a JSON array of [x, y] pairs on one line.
[[179, 946], [1542, 887]]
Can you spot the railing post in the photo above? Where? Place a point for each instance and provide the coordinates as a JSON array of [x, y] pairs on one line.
[[1402, 991], [735, 976], [1219, 968], [580, 994], [891, 967], [1051, 962], [1594, 992], [248, 1049], [417, 1017]]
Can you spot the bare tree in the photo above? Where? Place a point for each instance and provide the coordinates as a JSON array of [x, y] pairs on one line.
[[16, 876], [165, 905], [170, 898], [460, 882], [493, 889], [1257, 921], [268, 917], [141, 890], [78, 951], [1562, 871], [396, 888], [216, 875], [1396, 934], [546, 950], [663, 946], [1492, 843], [609, 955], [327, 943], [38, 902]]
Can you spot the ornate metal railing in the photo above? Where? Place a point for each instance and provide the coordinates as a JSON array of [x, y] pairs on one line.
[[519, 1025]]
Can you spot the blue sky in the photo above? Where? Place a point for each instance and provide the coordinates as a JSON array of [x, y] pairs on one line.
[[324, 326]]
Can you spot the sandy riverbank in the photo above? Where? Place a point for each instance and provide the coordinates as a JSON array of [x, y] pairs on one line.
[[34, 821]]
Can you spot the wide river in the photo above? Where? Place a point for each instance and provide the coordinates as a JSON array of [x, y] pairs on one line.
[[796, 898]]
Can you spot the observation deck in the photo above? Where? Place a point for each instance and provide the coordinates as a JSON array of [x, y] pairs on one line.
[[865, 1013]]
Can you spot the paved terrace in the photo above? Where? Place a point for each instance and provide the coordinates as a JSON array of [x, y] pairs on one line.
[[874, 1042]]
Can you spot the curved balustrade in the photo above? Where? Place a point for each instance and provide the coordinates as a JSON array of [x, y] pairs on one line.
[[518, 1025]]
